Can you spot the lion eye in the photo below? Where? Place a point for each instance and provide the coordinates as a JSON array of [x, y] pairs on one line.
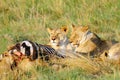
[[58, 33], [52, 33]]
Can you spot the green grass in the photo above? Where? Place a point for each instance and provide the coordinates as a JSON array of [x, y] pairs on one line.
[[28, 19]]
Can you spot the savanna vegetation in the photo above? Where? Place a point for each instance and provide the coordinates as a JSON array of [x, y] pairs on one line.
[[28, 19]]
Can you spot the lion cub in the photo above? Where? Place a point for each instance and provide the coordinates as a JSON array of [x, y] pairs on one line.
[[84, 41], [59, 40]]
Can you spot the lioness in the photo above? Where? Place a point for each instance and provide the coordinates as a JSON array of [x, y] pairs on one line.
[[59, 40], [84, 41]]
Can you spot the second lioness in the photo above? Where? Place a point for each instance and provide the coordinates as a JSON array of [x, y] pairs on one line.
[[84, 41]]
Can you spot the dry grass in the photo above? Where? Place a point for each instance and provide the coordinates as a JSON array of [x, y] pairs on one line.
[[27, 69]]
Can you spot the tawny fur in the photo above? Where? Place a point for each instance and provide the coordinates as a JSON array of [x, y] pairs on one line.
[[84, 41], [112, 55]]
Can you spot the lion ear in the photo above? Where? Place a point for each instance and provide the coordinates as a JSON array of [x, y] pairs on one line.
[[85, 28], [73, 27], [49, 30], [65, 29], [106, 54]]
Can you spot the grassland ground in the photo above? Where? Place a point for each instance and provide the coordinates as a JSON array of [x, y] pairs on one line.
[[28, 19]]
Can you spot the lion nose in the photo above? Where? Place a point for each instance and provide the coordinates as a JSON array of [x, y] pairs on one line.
[[70, 41], [76, 45], [53, 38]]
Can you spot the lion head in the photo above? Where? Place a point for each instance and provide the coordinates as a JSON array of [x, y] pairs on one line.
[[58, 36], [77, 34]]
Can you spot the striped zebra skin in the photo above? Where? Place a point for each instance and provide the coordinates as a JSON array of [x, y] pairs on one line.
[[34, 50]]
